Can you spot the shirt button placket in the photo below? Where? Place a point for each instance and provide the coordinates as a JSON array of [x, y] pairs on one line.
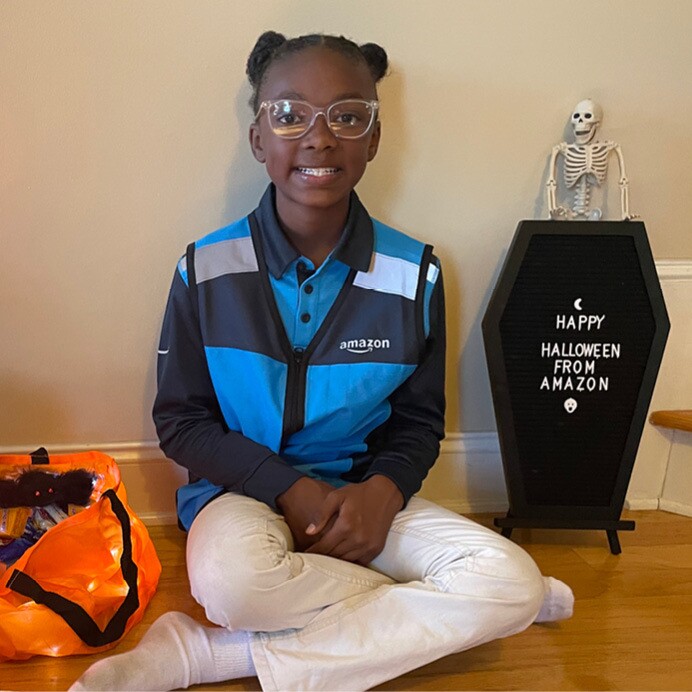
[[305, 304]]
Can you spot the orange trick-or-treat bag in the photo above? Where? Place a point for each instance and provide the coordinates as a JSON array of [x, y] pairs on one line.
[[77, 566]]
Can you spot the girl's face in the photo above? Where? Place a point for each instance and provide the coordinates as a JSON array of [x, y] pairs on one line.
[[319, 76]]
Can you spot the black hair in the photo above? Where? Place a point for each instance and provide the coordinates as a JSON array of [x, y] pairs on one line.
[[272, 46]]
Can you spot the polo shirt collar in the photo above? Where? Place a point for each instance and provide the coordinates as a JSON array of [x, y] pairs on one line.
[[354, 248]]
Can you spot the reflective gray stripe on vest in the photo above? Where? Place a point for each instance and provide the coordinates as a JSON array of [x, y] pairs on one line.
[[236, 256]]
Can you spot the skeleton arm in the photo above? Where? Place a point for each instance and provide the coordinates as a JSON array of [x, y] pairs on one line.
[[554, 211], [624, 185]]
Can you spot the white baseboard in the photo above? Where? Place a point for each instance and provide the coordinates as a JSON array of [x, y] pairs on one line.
[[675, 507], [467, 478], [674, 270], [639, 503]]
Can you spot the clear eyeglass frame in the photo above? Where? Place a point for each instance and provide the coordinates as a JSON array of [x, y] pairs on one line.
[[372, 104]]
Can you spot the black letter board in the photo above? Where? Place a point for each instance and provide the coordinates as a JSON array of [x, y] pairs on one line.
[[574, 335]]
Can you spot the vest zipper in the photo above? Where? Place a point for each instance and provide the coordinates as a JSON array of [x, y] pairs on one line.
[[294, 418], [297, 358]]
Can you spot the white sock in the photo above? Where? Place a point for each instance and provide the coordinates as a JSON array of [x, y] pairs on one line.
[[176, 652], [558, 603]]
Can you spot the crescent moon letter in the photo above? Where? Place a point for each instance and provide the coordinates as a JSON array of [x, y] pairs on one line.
[[577, 304]]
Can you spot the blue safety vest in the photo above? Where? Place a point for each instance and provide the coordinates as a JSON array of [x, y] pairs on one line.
[[314, 406]]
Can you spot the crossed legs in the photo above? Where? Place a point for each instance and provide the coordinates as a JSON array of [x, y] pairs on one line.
[[441, 585]]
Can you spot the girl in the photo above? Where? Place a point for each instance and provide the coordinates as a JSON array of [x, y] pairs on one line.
[[301, 378]]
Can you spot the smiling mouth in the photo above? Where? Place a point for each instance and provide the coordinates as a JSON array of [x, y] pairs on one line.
[[317, 172]]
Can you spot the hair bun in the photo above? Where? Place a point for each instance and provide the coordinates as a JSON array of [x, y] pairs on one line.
[[261, 54], [377, 60]]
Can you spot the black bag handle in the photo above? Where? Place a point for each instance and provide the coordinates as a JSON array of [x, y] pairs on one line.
[[72, 613], [40, 456]]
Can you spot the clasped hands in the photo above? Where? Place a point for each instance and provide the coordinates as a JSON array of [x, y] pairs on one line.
[[350, 523]]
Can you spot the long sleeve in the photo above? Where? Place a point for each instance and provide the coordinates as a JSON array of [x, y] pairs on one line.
[[188, 419], [409, 442]]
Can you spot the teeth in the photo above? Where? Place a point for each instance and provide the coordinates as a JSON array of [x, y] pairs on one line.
[[317, 171]]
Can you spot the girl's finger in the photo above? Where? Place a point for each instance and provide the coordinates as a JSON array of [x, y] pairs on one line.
[[329, 509], [330, 541]]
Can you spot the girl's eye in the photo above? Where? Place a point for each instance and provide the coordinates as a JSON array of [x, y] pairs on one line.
[[287, 119], [287, 114], [290, 118], [347, 118]]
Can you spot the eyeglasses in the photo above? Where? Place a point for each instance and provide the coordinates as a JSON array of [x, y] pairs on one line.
[[347, 119]]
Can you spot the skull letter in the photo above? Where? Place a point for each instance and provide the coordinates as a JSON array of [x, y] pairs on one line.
[[570, 405], [586, 118]]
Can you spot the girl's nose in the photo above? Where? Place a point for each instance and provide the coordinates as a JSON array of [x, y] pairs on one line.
[[319, 135]]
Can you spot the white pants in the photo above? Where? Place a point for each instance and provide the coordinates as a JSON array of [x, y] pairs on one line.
[[442, 584]]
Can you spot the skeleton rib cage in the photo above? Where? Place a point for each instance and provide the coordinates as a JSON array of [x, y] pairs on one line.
[[582, 159]]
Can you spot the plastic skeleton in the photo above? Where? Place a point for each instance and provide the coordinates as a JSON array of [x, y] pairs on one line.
[[586, 164]]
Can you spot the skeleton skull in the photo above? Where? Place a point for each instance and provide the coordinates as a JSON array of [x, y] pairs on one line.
[[586, 117]]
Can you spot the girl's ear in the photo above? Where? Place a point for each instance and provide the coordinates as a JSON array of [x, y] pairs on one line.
[[374, 141], [256, 143]]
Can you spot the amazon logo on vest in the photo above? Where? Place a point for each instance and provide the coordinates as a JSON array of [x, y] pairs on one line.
[[364, 345]]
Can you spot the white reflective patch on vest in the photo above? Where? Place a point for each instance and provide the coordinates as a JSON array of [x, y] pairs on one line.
[[433, 273], [390, 275], [236, 256]]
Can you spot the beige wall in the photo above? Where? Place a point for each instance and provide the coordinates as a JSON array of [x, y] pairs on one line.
[[123, 137]]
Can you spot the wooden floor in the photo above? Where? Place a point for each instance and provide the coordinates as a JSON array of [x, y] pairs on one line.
[[632, 628]]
